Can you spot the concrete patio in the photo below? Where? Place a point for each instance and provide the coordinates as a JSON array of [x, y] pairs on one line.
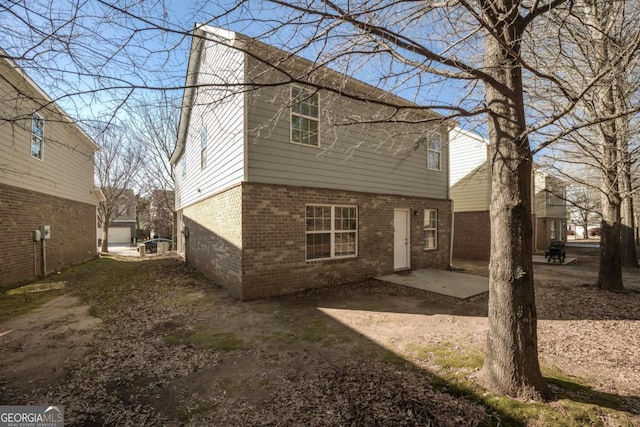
[[450, 283]]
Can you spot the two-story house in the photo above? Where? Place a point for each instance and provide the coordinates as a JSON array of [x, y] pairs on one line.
[[551, 209], [46, 179], [274, 195], [470, 181], [122, 210]]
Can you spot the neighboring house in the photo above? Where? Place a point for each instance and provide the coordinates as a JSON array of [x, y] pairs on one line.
[[471, 195], [550, 209], [272, 199], [122, 228], [161, 221], [46, 178]]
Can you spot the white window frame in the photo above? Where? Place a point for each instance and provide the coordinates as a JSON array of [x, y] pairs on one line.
[[34, 137], [308, 94], [428, 227], [203, 148], [332, 232], [432, 138]]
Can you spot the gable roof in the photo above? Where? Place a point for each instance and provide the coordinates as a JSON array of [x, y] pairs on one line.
[[297, 69]]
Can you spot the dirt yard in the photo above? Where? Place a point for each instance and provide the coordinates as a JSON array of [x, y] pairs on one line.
[[153, 343]]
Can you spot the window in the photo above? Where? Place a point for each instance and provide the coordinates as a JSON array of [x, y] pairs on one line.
[[552, 234], [203, 148], [332, 231], [37, 135], [430, 229], [304, 116], [433, 152]]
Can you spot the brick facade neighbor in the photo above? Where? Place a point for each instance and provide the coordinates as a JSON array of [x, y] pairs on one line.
[[72, 239], [472, 235], [252, 239]]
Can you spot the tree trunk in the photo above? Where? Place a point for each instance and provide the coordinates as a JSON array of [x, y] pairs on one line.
[[609, 132], [105, 237], [610, 271], [627, 235], [511, 365]]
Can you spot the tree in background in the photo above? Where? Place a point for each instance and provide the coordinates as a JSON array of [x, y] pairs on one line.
[[117, 168], [584, 205], [599, 41], [153, 120]]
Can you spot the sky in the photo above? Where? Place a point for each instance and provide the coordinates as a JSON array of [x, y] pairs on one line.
[[96, 60]]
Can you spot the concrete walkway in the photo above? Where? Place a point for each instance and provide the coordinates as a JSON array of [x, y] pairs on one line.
[[444, 282]]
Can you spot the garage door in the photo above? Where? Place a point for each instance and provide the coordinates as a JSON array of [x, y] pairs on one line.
[[119, 235]]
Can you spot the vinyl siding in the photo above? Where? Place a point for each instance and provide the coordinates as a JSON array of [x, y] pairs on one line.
[[374, 158], [221, 111], [473, 192], [467, 151], [66, 168], [549, 205]]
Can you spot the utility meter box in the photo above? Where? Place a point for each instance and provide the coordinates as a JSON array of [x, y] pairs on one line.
[[45, 231], [36, 235]]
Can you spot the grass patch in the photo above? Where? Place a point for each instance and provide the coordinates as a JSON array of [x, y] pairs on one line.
[[207, 338], [14, 305], [577, 404], [282, 337], [448, 356]]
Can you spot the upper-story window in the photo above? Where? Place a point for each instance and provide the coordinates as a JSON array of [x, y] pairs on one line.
[[305, 114], [434, 147], [203, 148], [37, 135]]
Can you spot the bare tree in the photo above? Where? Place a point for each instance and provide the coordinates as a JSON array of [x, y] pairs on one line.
[[480, 48], [117, 170], [584, 205], [600, 40], [153, 119]]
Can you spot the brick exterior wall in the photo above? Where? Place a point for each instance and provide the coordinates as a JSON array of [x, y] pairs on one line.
[[274, 238], [214, 244], [472, 235], [73, 233]]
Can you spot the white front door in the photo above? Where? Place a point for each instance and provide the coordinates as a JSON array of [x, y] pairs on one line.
[[401, 239]]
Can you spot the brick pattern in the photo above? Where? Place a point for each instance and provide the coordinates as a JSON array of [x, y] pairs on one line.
[[73, 233], [472, 235], [274, 238], [214, 245]]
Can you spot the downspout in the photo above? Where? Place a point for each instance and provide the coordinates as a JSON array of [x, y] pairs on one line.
[[35, 260], [44, 257], [453, 220]]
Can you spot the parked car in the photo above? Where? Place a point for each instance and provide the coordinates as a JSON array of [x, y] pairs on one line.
[[594, 231], [151, 246]]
